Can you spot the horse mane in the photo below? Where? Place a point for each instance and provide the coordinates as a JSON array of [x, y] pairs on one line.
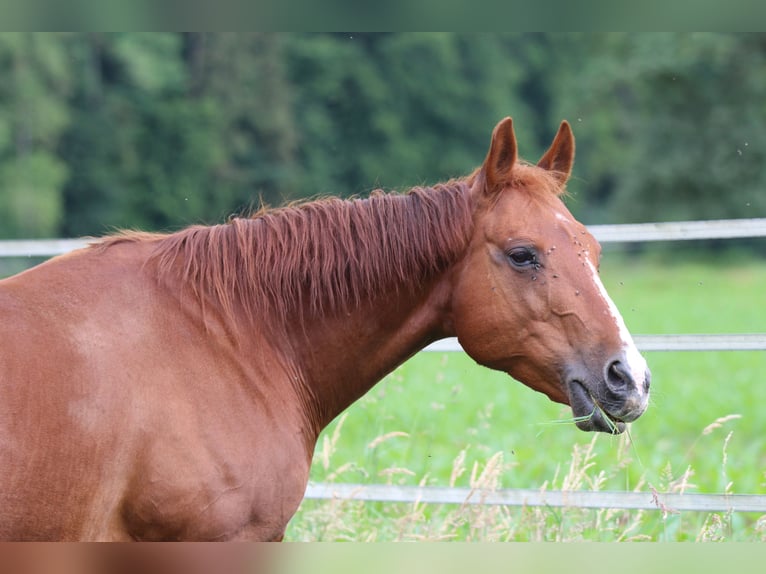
[[320, 256], [328, 255]]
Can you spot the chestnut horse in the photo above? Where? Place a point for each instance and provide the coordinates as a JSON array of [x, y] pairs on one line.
[[172, 387]]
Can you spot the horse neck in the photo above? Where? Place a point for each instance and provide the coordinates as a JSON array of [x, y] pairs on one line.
[[396, 301], [342, 357]]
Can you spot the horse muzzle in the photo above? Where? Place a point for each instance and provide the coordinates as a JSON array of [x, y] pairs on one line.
[[605, 404]]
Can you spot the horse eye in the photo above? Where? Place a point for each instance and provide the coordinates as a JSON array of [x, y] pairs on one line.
[[522, 256]]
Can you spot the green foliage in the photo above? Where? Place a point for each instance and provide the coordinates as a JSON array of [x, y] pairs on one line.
[[32, 199], [33, 115], [158, 130], [691, 115], [396, 110]]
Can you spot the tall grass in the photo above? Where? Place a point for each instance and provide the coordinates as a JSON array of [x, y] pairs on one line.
[[442, 420]]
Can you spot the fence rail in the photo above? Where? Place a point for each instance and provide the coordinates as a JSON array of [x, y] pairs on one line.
[[620, 233], [680, 230], [733, 342], [671, 231], [40, 247], [669, 502]]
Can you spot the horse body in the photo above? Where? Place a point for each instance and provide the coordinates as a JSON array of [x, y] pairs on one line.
[[140, 418], [173, 387], [132, 419]]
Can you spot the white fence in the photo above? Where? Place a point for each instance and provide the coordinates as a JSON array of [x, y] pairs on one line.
[[680, 230], [622, 233], [529, 497], [672, 231], [39, 247]]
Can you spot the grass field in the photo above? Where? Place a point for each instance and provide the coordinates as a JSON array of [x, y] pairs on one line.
[[442, 420]]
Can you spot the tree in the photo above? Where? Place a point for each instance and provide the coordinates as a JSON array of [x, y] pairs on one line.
[[243, 78], [670, 125], [396, 110], [159, 130], [141, 150], [32, 117]]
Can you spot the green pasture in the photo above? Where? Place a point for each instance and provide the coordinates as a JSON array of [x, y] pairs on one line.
[[442, 420]]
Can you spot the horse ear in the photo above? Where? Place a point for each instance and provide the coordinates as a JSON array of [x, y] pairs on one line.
[[560, 156], [501, 157]]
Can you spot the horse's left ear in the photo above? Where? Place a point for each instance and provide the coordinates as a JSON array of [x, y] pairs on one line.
[[560, 156], [501, 157]]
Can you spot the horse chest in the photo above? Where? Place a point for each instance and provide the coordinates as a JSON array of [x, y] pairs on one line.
[[239, 489], [196, 501]]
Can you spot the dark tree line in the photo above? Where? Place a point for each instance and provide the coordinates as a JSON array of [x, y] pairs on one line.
[[159, 130]]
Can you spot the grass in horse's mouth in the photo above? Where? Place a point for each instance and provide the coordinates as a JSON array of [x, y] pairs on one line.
[[612, 422]]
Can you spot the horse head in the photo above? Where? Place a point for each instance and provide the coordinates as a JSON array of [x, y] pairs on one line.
[[528, 299]]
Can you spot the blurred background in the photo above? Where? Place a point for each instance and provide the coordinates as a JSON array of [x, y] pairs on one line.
[[160, 130]]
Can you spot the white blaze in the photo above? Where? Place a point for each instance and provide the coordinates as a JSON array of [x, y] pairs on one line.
[[636, 364]]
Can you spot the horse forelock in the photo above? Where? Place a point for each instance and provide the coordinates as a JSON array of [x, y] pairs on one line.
[[531, 179], [537, 180], [322, 256]]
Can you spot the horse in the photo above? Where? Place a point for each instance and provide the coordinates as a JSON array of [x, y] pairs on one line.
[[173, 386]]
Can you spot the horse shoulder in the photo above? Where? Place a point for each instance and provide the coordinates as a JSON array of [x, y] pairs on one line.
[[216, 467]]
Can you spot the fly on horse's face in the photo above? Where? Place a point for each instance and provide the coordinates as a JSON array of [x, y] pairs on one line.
[[528, 298]]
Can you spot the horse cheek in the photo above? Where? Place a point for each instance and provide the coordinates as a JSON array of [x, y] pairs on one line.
[[486, 320], [535, 342]]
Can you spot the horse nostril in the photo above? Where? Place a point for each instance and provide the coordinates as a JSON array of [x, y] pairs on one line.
[[617, 376], [647, 381]]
